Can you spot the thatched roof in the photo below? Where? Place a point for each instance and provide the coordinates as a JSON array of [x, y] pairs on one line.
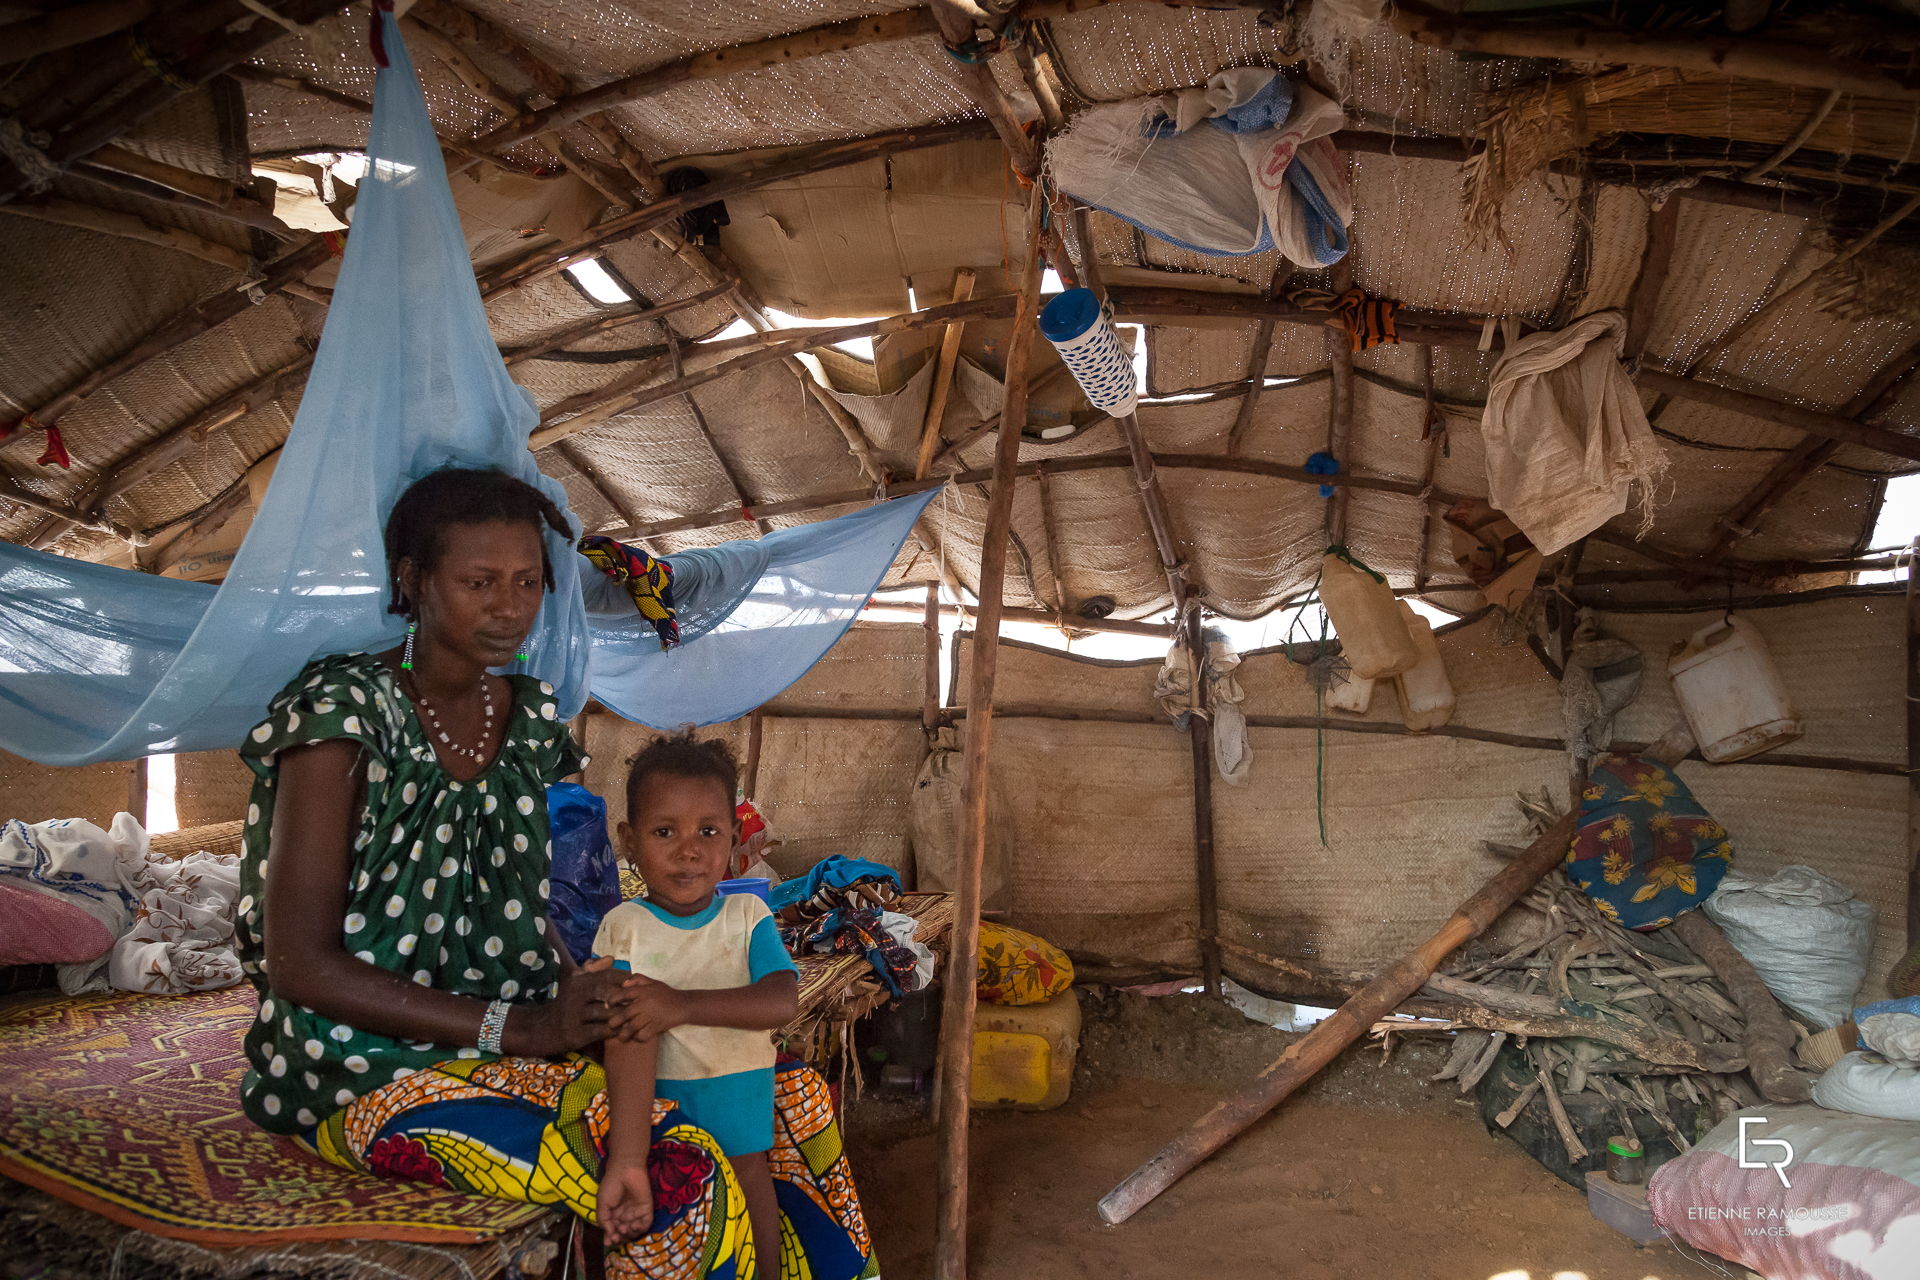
[[1741, 196]]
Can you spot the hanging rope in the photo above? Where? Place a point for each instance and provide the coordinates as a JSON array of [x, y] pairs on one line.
[[1320, 674]]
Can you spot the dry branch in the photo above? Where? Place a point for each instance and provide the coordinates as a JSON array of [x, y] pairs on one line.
[[1776, 62], [129, 226], [1829, 426], [1313, 1051]]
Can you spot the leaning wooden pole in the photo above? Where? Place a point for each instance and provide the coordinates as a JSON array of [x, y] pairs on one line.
[[1317, 1048], [1200, 732], [956, 1027], [1913, 745]]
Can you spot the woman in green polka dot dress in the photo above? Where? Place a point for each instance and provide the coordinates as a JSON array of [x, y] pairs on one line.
[[417, 1016]]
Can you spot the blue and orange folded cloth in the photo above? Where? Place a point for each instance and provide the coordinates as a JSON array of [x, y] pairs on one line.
[[1645, 850]]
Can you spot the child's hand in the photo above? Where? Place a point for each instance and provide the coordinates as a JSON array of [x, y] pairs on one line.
[[625, 1202], [650, 1008]]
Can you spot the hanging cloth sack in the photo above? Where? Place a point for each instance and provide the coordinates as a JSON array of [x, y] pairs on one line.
[[1566, 439], [1238, 166]]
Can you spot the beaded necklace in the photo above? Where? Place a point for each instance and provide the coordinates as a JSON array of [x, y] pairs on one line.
[[478, 752]]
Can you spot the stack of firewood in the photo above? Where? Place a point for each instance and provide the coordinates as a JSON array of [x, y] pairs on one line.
[[1643, 1020]]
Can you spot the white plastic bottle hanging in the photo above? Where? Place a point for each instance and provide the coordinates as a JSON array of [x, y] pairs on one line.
[[1082, 332], [1373, 634]]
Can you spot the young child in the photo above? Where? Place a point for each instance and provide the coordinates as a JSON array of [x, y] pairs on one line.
[[720, 981]]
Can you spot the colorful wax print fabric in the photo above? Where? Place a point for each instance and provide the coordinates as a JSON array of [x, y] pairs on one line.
[[1645, 851], [531, 1130]]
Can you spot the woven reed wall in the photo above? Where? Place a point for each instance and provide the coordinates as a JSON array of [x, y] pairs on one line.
[[827, 786], [36, 792], [1103, 860], [210, 786]]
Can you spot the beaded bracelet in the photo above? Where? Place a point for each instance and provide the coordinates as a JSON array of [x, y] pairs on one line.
[[493, 1027]]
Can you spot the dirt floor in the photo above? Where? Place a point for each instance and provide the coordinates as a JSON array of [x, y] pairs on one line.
[[1368, 1171]]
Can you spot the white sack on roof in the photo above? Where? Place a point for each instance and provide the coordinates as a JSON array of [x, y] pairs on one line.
[[1242, 164], [1566, 438]]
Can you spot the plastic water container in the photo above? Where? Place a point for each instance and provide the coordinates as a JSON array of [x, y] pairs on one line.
[[1734, 699], [755, 885], [1426, 695], [1353, 695], [1366, 617], [1023, 1055], [1081, 331]]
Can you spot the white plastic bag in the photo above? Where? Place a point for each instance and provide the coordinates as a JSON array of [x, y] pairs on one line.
[[1867, 1084], [1805, 933], [1891, 1028]]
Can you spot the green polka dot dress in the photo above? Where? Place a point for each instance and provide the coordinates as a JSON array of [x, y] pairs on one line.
[[448, 884]]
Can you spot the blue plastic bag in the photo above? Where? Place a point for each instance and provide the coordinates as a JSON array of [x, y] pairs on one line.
[[585, 876]]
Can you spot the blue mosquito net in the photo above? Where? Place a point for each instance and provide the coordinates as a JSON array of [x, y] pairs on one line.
[[98, 663]]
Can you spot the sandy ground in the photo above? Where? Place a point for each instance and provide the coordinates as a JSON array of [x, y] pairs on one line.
[[1369, 1171]]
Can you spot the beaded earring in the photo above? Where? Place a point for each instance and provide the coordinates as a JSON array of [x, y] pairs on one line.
[[519, 657], [406, 654]]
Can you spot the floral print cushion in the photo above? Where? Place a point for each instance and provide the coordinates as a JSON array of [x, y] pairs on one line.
[[1645, 851]]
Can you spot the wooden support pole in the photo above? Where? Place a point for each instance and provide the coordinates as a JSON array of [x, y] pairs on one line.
[[1433, 426], [1829, 426], [1810, 455], [137, 790], [756, 734], [1913, 745], [240, 212], [1773, 61], [129, 226], [1308, 1055], [1200, 735], [1769, 1039], [1339, 407], [195, 320], [943, 367], [11, 492], [954, 1097], [930, 690], [73, 139], [758, 349], [1655, 261], [65, 27]]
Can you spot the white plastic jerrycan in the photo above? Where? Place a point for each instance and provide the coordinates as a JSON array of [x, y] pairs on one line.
[[1426, 695], [1733, 698], [1373, 636]]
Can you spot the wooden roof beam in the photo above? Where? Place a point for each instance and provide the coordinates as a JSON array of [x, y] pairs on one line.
[[1772, 61], [74, 139], [1827, 426], [1743, 519]]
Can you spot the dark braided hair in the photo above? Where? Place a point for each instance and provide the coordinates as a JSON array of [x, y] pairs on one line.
[[416, 528], [681, 756]]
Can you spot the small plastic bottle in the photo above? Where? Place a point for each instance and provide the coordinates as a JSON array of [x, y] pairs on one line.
[[1626, 1161]]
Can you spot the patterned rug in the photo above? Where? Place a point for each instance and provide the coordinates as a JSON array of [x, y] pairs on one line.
[[129, 1105]]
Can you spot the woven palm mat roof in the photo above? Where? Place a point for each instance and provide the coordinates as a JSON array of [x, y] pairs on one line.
[[129, 1105], [865, 238]]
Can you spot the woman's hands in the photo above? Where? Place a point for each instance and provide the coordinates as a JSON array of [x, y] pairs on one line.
[[625, 1202], [646, 1009], [576, 1018]]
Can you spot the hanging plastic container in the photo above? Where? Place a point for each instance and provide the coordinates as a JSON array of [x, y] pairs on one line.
[[1082, 332], [1733, 697], [1352, 695], [1366, 617], [1426, 695]]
